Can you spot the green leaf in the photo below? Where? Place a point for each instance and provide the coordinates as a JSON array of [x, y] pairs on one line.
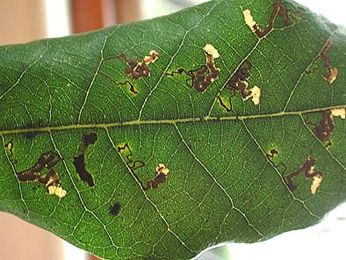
[[63, 111]]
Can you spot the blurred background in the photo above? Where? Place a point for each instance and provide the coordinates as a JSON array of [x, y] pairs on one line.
[[27, 20]]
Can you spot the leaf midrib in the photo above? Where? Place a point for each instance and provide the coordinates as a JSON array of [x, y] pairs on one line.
[[164, 121]]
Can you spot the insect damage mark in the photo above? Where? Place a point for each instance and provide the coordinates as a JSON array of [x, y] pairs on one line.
[[224, 105], [132, 164], [50, 177], [115, 209], [9, 148], [79, 164], [255, 95], [341, 112], [332, 72], [278, 10], [238, 83], [325, 128], [161, 177], [132, 88], [89, 139], [308, 169], [161, 170], [202, 77], [135, 69], [313, 68], [79, 160], [271, 156]]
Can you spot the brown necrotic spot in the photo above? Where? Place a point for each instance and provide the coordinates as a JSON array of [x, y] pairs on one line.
[[161, 177], [308, 170], [326, 126], [278, 10], [332, 72], [202, 77], [115, 209], [89, 139], [238, 83], [44, 172], [79, 160], [79, 164], [136, 69]]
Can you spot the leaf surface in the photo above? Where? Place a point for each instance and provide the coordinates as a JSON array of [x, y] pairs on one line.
[[63, 111]]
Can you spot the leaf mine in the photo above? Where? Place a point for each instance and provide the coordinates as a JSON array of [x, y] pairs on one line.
[[326, 126], [161, 177], [238, 83], [202, 77], [44, 172], [132, 164], [316, 182], [79, 164], [223, 104], [255, 95], [89, 139], [312, 68], [9, 148], [308, 169], [271, 155], [278, 9], [136, 69], [332, 72], [132, 88], [79, 160], [341, 112]]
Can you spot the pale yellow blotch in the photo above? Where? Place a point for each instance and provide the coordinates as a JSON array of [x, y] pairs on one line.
[[152, 58], [162, 169], [316, 183], [333, 73], [249, 19], [57, 191], [255, 95], [341, 112], [9, 145], [210, 49]]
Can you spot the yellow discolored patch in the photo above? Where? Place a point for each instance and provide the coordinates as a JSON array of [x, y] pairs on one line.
[[331, 75], [210, 50], [317, 180], [255, 95], [162, 169], [249, 19], [152, 58], [341, 112], [57, 191]]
